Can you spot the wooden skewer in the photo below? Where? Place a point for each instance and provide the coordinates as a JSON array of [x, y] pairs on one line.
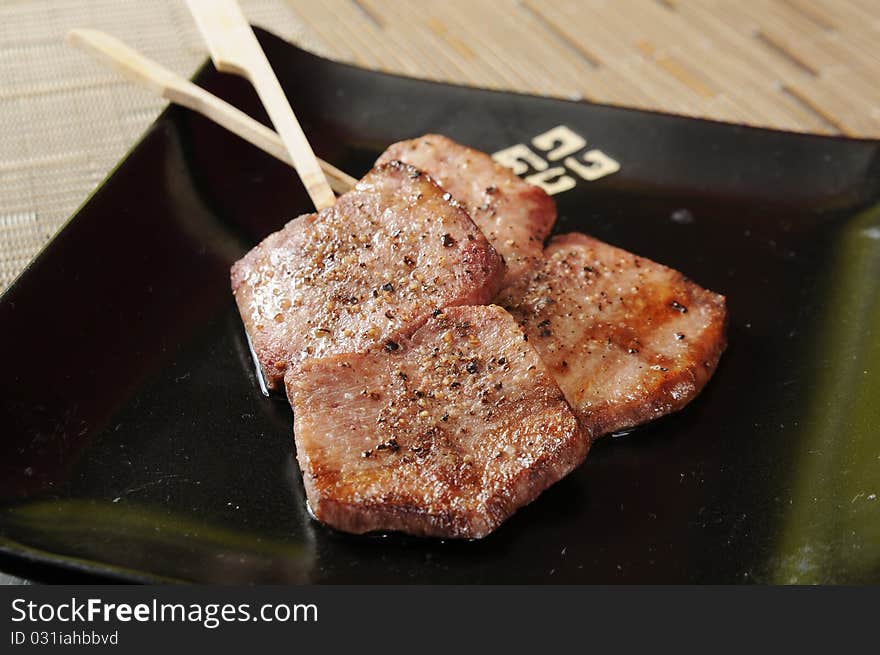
[[235, 49], [179, 90]]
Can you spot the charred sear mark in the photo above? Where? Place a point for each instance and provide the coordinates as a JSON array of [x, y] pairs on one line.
[[391, 445]]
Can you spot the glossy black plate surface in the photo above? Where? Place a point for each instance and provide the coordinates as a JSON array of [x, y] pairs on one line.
[[136, 443]]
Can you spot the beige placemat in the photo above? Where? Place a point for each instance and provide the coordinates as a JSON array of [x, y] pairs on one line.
[[807, 65]]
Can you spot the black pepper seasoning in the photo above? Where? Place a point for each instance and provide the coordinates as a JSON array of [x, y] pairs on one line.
[[391, 445]]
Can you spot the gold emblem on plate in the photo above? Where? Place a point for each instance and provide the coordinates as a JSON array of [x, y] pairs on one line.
[[559, 168]]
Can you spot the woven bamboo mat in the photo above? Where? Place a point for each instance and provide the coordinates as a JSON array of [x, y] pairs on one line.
[[804, 65]]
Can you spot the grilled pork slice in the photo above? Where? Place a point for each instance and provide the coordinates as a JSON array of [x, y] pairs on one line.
[[515, 216], [443, 435], [628, 340], [366, 271]]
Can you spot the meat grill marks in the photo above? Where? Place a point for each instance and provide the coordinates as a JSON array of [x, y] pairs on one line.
[[515, 216], [444, 436], [364, 272], [613, 365], [628, 340], [416, 412]]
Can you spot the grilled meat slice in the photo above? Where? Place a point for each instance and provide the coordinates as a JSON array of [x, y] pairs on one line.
[[515, 216], [366, 271], [628, 340], [443, 435]]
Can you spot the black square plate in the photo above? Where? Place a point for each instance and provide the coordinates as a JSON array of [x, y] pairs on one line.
[[136, 443]]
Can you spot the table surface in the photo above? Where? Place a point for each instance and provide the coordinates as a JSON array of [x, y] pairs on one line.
[[803, 65]]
